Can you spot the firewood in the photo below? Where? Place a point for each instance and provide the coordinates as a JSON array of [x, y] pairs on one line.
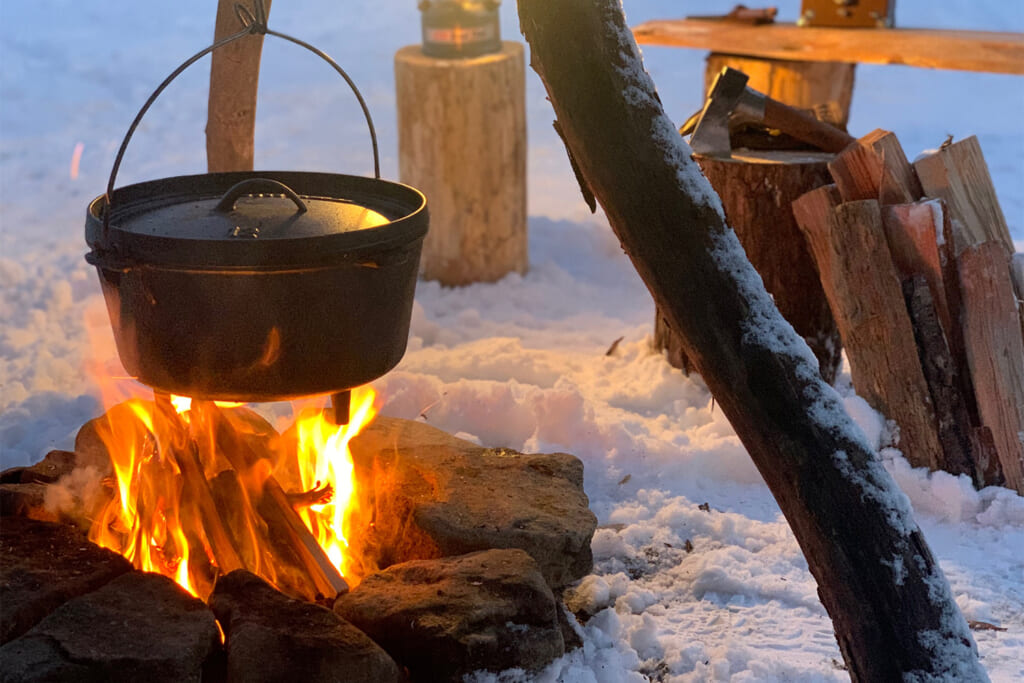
[[912, 232], [1017, 269], [837, 497], [1017, 273], [899, 179], [279, 514], [942, 375], [958, 174], [995, 352], [185, 453], [986, 458], [864, 291], [234, 80], [876, 168]]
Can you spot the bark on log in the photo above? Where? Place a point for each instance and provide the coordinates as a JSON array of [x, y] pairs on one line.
[[852, 523], [864, 291], [757, 190], [234, 80], [806, 85], [995, 352], [462, 141], [1017, 271], [942, 374], [913, 231]]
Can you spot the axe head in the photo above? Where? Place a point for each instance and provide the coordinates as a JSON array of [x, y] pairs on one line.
[[711, 134]]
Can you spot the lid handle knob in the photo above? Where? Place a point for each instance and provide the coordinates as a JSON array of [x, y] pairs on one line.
[[257, 186]]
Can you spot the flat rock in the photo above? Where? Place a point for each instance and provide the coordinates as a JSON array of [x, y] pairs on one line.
[[272, 638], [425, 494], [444, 618], [48, 470], [42, 566], [64, 486], [139, 627], [26, 500]]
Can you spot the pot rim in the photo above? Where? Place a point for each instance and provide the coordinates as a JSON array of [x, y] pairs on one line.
[[405, 207]]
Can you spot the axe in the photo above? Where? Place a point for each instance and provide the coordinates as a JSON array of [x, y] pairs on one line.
[[730, 96]]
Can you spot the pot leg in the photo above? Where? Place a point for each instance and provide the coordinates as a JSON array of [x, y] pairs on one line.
[[341, 403]]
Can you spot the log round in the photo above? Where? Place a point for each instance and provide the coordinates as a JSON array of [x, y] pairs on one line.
[[462, 142], [799, 84], [757, 189]]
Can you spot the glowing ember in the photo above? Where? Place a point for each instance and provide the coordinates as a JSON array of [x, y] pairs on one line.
[[195, 495]]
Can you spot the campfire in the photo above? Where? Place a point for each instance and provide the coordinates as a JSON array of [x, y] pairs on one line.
[[434, 556], [201, 488]]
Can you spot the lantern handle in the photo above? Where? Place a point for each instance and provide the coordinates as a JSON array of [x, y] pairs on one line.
[[255, 23]]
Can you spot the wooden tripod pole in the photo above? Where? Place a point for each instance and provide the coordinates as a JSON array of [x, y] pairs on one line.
[[234, 81]]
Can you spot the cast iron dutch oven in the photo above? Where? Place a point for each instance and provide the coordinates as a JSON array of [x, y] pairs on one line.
[[257, 286]]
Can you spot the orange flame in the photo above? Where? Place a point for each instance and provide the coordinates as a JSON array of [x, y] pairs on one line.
[[142, 522], [326, 461], [165, 516]]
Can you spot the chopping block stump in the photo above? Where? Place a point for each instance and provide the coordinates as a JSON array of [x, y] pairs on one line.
[[462, 142], [757, 190]]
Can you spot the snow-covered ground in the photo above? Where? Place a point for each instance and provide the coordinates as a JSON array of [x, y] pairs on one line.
[[520, 363]]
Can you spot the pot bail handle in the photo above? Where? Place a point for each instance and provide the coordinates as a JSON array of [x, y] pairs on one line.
[[260, 185], [255, 23]]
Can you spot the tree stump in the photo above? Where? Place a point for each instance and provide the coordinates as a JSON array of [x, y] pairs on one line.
[[800, 84], [462, 141], [757, 190]]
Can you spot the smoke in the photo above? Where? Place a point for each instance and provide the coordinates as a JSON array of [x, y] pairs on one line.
[[77, 496]]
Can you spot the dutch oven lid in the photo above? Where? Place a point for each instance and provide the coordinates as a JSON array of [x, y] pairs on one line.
[[255, 220]]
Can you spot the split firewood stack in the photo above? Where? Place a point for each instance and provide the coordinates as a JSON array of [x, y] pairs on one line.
[[919, 269]]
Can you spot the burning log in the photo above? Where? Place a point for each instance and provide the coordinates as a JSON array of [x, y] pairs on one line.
[[276, 508], [197, 489]]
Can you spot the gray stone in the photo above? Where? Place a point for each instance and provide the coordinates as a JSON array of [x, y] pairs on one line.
[[48, 470], [426, 494], [42, 566], [139, 627], [271, 638], [444, 618], [25, 500]]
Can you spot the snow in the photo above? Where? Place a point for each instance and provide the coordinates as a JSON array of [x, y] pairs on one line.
[[697, 576]]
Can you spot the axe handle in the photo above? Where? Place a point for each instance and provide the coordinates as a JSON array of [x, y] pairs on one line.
[[805, 127]]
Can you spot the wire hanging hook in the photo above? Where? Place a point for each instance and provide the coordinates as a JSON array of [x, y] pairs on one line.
[[254, 19], [245, 16]]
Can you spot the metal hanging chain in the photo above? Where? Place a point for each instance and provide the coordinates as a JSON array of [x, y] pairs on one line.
[[254, 22]]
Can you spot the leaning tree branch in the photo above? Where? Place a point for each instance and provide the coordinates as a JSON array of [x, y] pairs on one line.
[[892, 610]]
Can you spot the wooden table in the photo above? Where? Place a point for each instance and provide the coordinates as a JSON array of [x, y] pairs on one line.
[[810, 66], [987, 51]]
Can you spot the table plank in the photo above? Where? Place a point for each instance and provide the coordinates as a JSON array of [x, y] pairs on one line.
[[987, 51]]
